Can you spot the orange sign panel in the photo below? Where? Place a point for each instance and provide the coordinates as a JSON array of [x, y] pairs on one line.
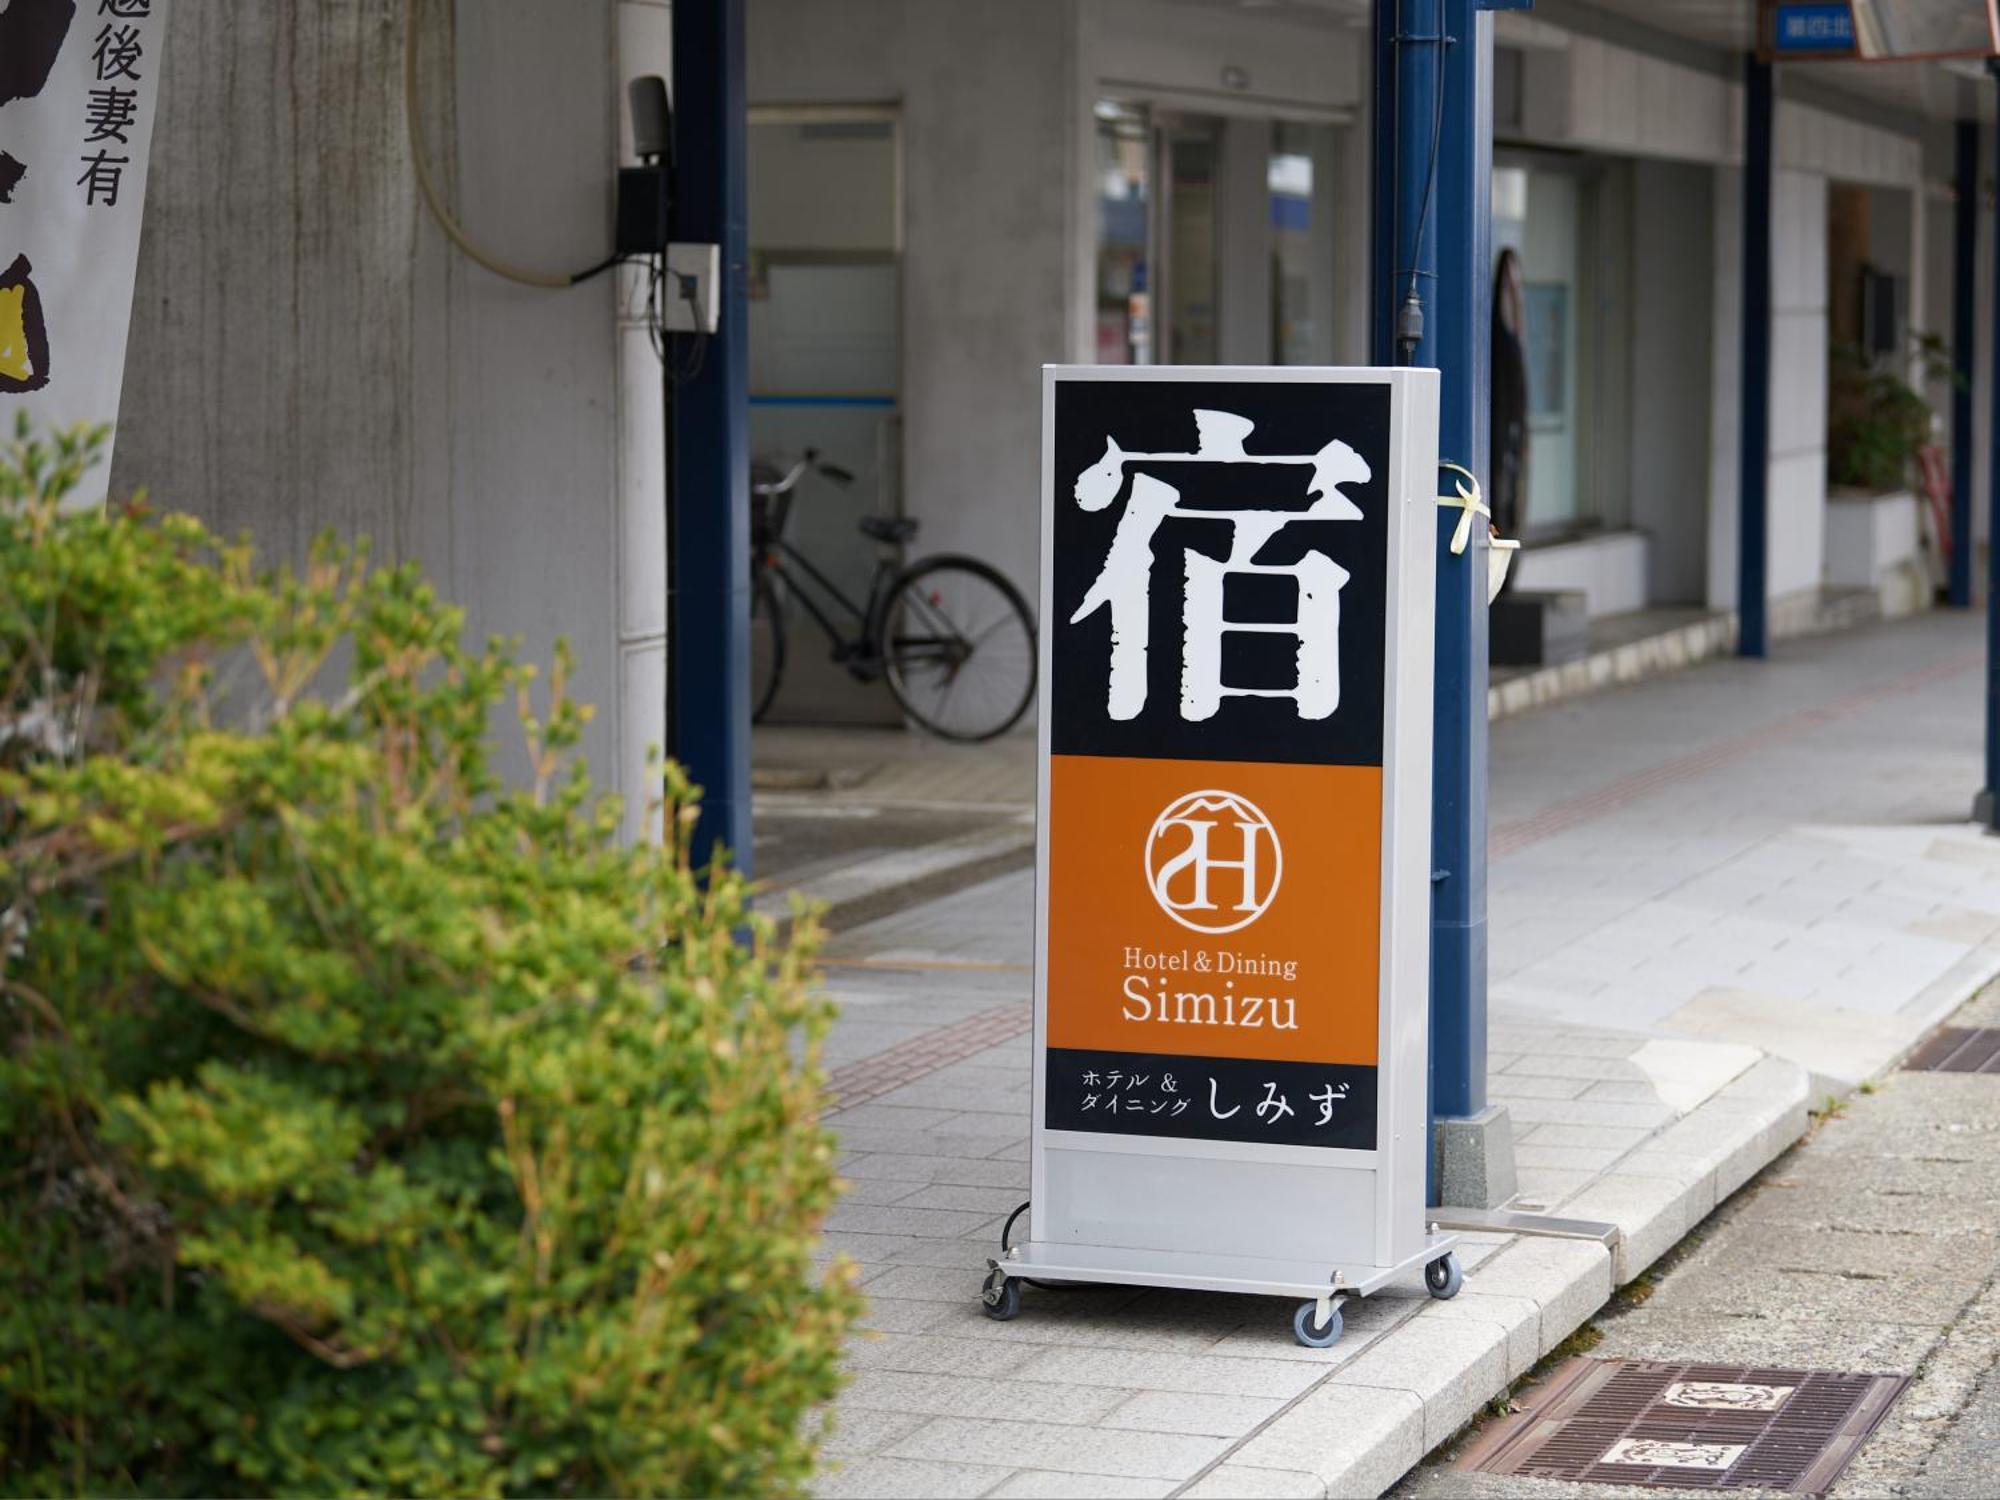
[[1215, 909]]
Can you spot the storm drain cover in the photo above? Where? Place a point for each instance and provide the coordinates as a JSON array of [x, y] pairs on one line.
[[1688, 1427], [1958, 1049]]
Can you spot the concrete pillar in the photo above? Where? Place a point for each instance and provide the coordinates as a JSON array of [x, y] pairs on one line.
[[308, 353]]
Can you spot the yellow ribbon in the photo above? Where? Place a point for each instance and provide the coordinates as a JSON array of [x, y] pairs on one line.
[[1469, 501]]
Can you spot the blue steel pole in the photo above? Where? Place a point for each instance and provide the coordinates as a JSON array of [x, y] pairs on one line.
[[1433, 90], [1383, 229], [1754, 396], [708, 546], [1464, 354], [1964, 258], [1989, 800]]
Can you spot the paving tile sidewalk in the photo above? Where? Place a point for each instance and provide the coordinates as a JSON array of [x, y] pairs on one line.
[[1712, 894], [1154, 1393]]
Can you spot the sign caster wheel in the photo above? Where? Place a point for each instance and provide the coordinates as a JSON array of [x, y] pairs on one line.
[[1308, 1330], [1000, 1297], [1444, 1276]]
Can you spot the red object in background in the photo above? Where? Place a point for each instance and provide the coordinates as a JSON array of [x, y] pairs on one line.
[[1934, 478]]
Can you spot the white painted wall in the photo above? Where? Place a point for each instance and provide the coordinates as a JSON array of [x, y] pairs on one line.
[[644, 45], [306, 353], [1244, 272], [1610, 569], [1797, 493]]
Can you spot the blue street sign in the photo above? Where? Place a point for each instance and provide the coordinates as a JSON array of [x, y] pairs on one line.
[[1813, 28]]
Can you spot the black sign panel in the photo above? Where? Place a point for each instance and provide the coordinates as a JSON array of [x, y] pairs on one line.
[[1276, 1103], [1219, 570]]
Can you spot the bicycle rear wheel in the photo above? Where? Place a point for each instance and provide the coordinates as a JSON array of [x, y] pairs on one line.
[[767, 643], [958, 648]]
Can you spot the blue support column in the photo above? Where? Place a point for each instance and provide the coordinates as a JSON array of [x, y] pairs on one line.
[[708, 543], [1434, 149], [1754, 457], [1988, 810], [1383, 256], [1964, 255]]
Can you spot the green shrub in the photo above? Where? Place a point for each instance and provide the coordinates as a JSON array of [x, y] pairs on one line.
[[1877, 423], [369, 1127]]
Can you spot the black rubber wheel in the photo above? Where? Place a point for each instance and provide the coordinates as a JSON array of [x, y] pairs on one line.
[[1000, 1298], [1314, 1334], [767, 643], [1444, 1276], [958, 648]]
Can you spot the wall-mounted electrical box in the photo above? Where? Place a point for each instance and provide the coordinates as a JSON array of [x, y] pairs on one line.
[[693, 289], [642, 211]]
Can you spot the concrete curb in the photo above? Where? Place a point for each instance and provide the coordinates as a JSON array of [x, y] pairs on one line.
[[871, 888], [1375, 1417], [1674, 648]]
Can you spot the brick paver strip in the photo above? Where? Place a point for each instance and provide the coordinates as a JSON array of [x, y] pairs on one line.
[[920, 1056], [1560, 817]]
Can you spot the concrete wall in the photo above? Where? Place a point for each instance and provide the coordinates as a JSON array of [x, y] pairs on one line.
[[306, 352], [987, 134]]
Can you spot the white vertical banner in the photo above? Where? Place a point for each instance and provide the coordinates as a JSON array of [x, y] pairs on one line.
[[79, 86]]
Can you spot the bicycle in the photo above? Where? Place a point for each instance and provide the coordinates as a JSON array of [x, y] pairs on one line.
[[951, 636]]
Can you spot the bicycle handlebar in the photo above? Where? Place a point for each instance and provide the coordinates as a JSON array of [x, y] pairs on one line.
[[807, 460]]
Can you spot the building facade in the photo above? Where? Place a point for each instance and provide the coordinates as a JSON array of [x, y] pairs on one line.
[[943, 195]]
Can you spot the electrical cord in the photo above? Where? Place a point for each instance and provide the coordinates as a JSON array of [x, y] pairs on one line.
[[1006, 1232], [1430, 171], [435, 201], [1409, 329], [680, 372]]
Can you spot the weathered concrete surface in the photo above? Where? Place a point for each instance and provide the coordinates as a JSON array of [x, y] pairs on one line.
[[306, 353]]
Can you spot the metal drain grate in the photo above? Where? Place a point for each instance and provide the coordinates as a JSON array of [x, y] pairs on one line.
[[1688, 1427], [1958, 1049]]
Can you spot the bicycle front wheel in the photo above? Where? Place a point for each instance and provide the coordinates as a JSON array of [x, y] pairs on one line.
[[767, 643], [958, 648]]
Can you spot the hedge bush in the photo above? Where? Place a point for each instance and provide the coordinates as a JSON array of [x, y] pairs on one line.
[[370, 1126]]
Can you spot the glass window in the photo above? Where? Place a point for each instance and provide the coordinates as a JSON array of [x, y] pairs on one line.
[[1561, 277]]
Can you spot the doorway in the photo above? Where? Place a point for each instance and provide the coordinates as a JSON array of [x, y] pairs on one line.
[[825, 314], [1215, 237]]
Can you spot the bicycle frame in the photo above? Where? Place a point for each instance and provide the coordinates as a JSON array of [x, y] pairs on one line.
[[861, 654]]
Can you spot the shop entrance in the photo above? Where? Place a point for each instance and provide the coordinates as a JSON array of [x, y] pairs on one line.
[[826, 234], [1215, 237]]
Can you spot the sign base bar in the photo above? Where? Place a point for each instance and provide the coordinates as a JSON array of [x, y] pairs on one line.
[[1187, 1271]]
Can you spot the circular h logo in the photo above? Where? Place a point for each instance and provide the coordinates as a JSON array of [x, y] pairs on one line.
[[1213, 861]]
